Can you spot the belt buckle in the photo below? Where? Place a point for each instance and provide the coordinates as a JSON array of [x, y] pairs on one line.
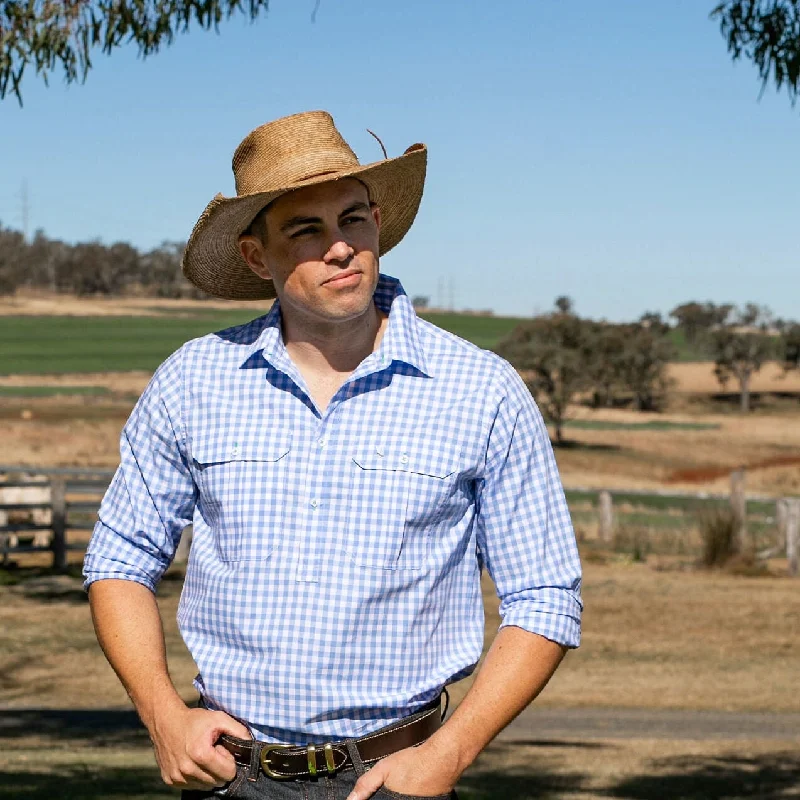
[[311, 753], [264, 759]]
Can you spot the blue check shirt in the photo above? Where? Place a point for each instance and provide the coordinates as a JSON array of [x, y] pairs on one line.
[[333, 581]]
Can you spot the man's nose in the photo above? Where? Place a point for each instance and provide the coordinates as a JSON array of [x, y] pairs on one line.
[[340, 250]]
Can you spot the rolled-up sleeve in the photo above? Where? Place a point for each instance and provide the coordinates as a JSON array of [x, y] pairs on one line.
[[151, 498], [525, 534]]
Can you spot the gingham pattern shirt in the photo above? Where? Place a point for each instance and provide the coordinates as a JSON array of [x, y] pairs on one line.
[[333, 581]]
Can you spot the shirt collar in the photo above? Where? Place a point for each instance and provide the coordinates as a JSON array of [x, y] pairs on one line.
[[400, 340]]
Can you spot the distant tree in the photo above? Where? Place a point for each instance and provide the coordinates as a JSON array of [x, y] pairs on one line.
[[768, 33], [644, 361], [420, 301], [604, 365], [551, 353], [741, 347], [564, 304], [160, 272], [698, 320], [12, 260], [790, 346]]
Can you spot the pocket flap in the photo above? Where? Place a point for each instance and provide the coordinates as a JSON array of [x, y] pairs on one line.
[[218, 450], [436, 463]]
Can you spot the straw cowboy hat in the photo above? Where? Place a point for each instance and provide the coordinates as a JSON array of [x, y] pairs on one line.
[[289, 153]]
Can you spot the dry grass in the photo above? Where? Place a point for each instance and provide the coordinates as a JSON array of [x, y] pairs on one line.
[[698, 378], [644, 459], [653, 638], [83, 430], [45, 304]]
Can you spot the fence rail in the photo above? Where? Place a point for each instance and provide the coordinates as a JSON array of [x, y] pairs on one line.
[[39, 507]]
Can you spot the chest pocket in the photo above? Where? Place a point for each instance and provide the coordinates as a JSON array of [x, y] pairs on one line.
[[243, 489], [397, 497]]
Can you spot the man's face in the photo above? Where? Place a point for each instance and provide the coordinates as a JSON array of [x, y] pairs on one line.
[[320, 249]]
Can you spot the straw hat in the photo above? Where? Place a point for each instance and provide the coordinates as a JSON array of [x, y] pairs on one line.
[[289, 153]]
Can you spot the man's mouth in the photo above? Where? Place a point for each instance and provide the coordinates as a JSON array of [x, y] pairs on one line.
[[345, 278]]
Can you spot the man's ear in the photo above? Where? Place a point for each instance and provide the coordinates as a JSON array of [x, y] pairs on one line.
[[375, 210], [252, 250]]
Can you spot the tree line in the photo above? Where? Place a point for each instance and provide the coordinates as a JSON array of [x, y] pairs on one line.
[[563, 356], [91, 268], [43, 36]]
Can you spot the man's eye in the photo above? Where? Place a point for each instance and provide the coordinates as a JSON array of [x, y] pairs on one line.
[[302, 232], [352, 220]]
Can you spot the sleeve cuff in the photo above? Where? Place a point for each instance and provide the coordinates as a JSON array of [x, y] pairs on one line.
[[560, 622], [100, 569]]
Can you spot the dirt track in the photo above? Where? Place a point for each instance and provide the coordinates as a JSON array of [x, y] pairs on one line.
[[533, 724], [635, 723]]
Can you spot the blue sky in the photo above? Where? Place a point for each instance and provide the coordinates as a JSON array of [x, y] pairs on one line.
[[609, 151]]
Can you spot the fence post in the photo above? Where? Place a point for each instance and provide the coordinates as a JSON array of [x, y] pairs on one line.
[[58, 500], [739, 508], [792, 535], [606, 516], [185, 544], [781, 519]]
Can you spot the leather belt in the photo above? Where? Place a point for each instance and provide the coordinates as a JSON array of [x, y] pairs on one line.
[[287, 762]]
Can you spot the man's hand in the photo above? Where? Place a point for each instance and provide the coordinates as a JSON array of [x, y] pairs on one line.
[[185, 746], [425, 771]]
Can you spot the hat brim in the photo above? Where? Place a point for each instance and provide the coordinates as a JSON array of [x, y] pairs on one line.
[[213, 262]]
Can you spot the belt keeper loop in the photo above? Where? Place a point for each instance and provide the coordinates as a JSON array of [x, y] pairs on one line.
[[330, 762], [312, 760], [255, 763]]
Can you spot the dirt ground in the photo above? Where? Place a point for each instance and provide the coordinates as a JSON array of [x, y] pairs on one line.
[[656, 635], [94, 766], [655, 638], [45, 304]]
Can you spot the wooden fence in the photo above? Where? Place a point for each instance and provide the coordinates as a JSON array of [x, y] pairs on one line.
[[40, 508], [784, 519], [52, 503]]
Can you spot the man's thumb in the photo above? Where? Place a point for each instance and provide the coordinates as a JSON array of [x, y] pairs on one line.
[[231, 726], [368, 784]]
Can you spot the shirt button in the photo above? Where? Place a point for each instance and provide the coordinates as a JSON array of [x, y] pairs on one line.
[[314, 503], [321, 442], [404, 458]]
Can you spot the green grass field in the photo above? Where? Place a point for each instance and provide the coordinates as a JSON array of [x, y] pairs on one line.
[[45, 345], [653, 425], [58, 345]]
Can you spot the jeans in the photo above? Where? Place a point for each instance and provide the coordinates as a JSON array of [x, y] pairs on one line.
[[322, 787]]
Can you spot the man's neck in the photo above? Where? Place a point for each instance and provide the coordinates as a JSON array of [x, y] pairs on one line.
[[335, 347]]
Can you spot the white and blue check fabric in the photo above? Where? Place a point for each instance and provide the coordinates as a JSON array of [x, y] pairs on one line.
[[333, 581]]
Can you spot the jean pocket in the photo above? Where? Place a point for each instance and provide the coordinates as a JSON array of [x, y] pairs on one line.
[[242, 487], [383, 791], [227, 791]]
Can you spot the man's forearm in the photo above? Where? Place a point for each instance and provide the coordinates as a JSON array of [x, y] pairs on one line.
[[516, 669], [129, 629]]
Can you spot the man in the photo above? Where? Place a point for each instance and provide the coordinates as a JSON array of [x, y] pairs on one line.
[[348, 469]]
